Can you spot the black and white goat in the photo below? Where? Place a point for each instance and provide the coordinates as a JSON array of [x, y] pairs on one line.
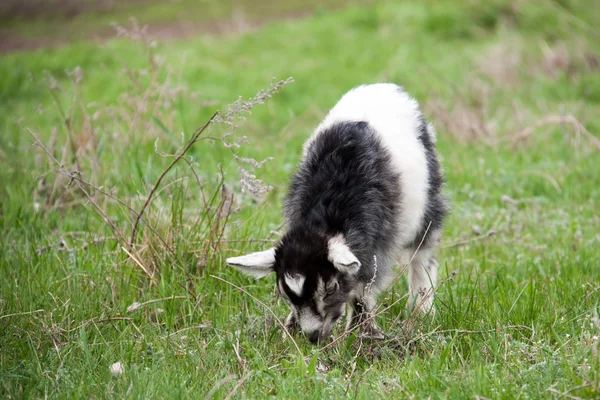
[[365, 197]]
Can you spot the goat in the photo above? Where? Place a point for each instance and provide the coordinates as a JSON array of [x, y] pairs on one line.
[[367, 195]]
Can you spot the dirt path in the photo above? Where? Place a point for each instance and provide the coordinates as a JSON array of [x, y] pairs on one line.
[[11, 41], [34, 24]]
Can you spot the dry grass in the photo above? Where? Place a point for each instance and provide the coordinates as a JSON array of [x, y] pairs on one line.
[[469, 117], [571, 60], [560, 120], [78, 174], [502, 63], [476, 115]]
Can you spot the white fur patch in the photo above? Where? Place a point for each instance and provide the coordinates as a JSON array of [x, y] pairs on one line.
[[308, 321], [341, 256], [295, 283], [395, 116]]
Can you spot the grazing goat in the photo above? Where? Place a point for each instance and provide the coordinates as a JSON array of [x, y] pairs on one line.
[[366, 196]]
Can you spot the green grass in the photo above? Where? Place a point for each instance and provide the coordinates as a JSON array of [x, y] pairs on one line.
[[517, 320]]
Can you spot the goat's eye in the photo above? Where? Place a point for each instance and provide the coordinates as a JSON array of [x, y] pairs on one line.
[[332, 288]]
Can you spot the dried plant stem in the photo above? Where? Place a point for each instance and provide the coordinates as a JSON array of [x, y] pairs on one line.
[[554, 120], [101, 321], [218, 386], [67, 121], [466, 332], [492, 232], [198, 182], [224, 211], [239, 384], [141, 265], [20, 313], [73, 176], [179, 156], [188, 328], [137, 306], [138, 111], [53, 199], [565, 394], [122, 203]]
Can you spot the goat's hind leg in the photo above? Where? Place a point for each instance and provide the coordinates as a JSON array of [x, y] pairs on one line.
[[422, 279]]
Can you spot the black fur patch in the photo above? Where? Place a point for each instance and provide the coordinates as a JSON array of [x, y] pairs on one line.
[[437, 207], [346, 185]]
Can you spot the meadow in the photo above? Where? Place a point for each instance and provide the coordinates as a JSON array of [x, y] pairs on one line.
[[118, 209]]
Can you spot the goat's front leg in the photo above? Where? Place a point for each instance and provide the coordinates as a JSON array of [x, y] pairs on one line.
[[361, 315], [291, 324]]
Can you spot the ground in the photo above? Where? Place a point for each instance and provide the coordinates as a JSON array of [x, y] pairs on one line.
[[88, 131]]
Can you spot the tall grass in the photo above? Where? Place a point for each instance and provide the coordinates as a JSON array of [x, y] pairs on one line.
[[151, 222]]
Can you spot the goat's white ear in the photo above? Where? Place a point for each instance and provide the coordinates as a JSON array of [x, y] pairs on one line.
[[341, 256], [257, 264]]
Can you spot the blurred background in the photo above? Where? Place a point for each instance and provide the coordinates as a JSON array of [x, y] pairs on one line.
[[39, 23]]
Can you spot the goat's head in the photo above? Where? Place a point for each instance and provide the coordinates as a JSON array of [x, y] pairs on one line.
[[316, 275]]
